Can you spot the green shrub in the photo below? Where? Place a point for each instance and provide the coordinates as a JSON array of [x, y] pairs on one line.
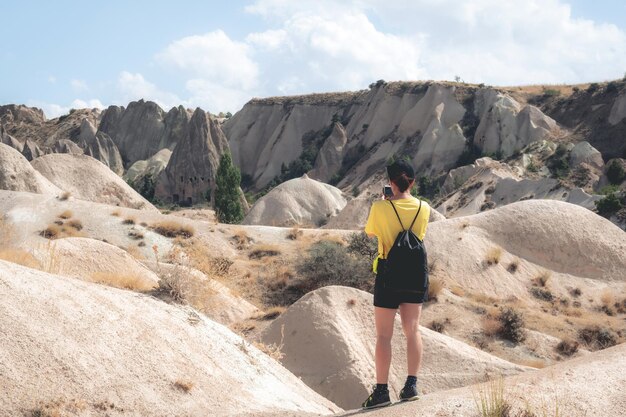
[[608, 205], [551, 92], [227, 202], [615, 173]]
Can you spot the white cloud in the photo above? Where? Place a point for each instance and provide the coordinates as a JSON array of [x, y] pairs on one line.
[[213, 57], [270, 39], [89, 104], [53, 110], [79, 85], [135, 87]]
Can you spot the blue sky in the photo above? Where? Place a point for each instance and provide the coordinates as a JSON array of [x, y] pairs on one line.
[[217, 55]]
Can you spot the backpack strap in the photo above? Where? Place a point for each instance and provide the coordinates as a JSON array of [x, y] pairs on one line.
[[397, 215], [415, 218]]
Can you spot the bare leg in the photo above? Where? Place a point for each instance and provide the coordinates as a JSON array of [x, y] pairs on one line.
[[384, 318], [410, 315]]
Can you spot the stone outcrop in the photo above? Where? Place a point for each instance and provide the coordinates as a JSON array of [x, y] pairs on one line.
[[31, 150], [507, 126], [143, 128], [16, 174], [300, 201], [331, 154], [10, 140], [99, 146], [67, 146], [618, 110], [189, 177], [151, 167], [583, 152], [88, 179]]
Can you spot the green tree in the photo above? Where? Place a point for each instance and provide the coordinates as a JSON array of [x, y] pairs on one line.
[[615, 173], [227, 202]]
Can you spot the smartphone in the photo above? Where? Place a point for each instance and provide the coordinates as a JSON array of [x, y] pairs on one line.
[[387, 191]]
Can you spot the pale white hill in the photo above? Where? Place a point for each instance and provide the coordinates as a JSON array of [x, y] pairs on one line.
[[592, 385], [92, 350], [328, 339], [300, 201], [16, 174], [89, 179]]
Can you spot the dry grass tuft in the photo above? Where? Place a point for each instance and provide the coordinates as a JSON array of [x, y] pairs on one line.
[[439, 325], [20, 257], [457, 290], [543, 278], [351, 302], [75, 224], [241, 239], [170, 228], [135, 234], [491, 400], [183, 385], [493, 256], [261, 251], [491, 326], [67, 214], [435, 287], [123, 281], [270, 314], [294, 233], [59, 408], [542, 294], [607, 298], [116, 213], [129, 220], [596, 337], [53, 231], [65, 196]]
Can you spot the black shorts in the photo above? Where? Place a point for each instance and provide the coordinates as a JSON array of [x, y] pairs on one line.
[[391, 298]]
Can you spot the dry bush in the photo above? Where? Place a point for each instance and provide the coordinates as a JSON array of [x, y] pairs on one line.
[[363, 245], [58, 408], [575, 292], [493, 256], [270, 313], [67, 214], [351, 302], [170, 228], [273, 350], [621, 306], [294, 233], [513, 266], [596, 337], [243, 327], [183, 385], [435, 287], [135, 252], [20, 257], [607, 298], [135, 234], [533, 363], [65, 196], [53, 231], [542, 294], [543, 278], [482, 298], [567, 347], [75, 224], [241, 239], [200, 257], [439, 325], [116, 213], [261, 251], [129, 220], [512, 325], [124, 281]]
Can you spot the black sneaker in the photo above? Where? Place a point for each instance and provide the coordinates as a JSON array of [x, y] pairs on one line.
[[409, 393], [379, 398]]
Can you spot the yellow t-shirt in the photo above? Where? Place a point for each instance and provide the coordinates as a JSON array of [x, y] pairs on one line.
[[384, 223]]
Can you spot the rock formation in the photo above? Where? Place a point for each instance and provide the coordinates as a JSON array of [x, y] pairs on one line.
[[99, 146], [143, 128], [67, 146], [151, 167], [10, 140], [189, 177], [88, 179], [16, 174], [300, 201], [31, 150]]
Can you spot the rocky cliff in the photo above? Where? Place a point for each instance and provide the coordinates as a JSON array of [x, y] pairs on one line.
[[347, 137], [190, 172]]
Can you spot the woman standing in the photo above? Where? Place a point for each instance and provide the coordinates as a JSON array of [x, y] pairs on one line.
[[386, 220]]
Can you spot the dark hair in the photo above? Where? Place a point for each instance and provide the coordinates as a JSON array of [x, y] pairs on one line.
[[401, 173]]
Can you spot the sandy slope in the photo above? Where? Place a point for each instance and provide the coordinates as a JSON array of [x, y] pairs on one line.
[[64, 339], [328, 339]]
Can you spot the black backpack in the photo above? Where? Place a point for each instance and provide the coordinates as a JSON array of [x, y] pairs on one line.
[[406, 266]]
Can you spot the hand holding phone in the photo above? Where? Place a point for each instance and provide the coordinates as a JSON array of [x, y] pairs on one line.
[[387, 192]]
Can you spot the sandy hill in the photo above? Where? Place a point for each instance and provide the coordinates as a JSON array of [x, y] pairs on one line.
[[589, 386], [77, 347], [573, 242], [88, 179], [328, 339], [300, 201], [16, 174]]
